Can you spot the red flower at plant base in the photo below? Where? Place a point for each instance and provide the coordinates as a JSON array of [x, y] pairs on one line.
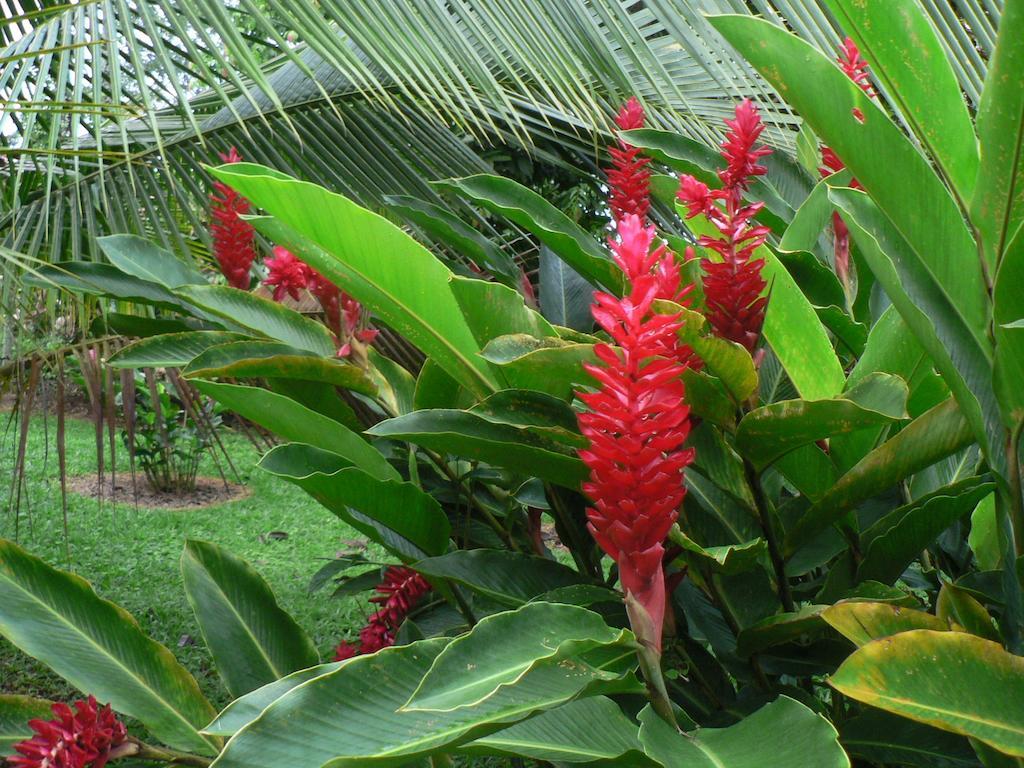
[[234, 240], [76, 738], [853, 64], [398, 594], [636, 425], [287, 275], [629, 178], [733, 286]]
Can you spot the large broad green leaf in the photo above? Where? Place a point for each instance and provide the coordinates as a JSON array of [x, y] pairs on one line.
[[565, 295], [508, 198], [862, 622], [802, 625], [881, 738], [170, 350], [876, 151], [962, 356], [768, 432], [951, 680], [812, 218], [354, 714], [98, 647], [15, 712], [997, 208], [466, 434], [493, 310], [1007, 311], [791, 326], [547, 365], [373, 260], [956, 606], [141, 258], [271, 359], [444, 225], [261, 315], [95, 279], [581, 731], [907, 57], [510, 578], [787, 731], [395, 514], [247, 708], [293, 421], [537, 412], [892, 543], [396, 387], [253, 641], [504, 647], [938, 433]]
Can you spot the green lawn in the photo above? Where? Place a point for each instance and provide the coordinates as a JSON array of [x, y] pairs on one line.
[[131, 555]]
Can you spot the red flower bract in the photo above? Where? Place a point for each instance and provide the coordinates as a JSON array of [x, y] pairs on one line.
[[637, 422], [398, 594], [733, 286], [76, 738], [287, 274], [854, 65], [234, 240], [629, 178]]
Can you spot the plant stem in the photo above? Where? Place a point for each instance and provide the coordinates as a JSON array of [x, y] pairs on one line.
[[173, 757], [768, 525], [1016, 490]]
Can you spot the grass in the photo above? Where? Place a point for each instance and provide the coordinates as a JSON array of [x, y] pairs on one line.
[[131, 555]]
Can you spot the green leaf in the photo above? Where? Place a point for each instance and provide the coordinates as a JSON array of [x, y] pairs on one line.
[[396, 387], [493, 309], [785, 729], [791, 326], [731, 558], [253, 641], [537, 412], [395, 514], [880, 156], [812, 219], [997, 208], [796, 626], [1007, 312], [961, 354], [956, 606], [521, 205], [709, 399], [984, 535], [567, 735], [271, 359], [15, 712], [503, 647], [359, 715], [547, 365], [139, 257], [938, 433], [907, 57], [509, 578], [261, 315], [862, 622], [170, 350], [292, 421], [768, 432], [449, 228], [98, 647], [464, 433], [951, 680], [881, 738], [728, 361], [247, 708], [565, 295], [371, 259]]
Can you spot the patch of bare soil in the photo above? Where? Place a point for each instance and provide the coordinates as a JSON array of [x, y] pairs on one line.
[[208, 491]]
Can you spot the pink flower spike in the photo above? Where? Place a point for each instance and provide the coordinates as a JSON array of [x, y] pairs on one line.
[[287, 274], [76, 738], [629, 178], [234, 240]]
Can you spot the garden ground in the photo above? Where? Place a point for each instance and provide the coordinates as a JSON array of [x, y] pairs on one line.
[[131, 555]]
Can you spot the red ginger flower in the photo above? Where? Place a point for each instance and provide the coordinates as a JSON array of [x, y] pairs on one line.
[[288, 275], [234, 240], [629, 178], [733, 286], [76, 738], [856, 68], [637, 423], [398, 594]]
